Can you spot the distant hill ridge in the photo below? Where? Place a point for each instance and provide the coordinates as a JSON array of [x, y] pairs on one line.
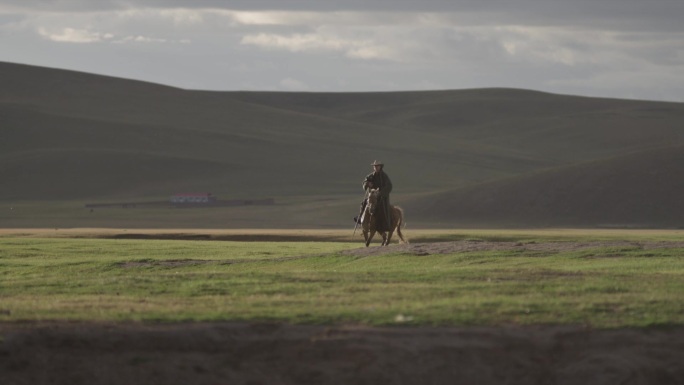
[[635, 190], [462, 157]]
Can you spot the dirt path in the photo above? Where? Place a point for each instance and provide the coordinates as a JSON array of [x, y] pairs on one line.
[[471, 246], [286, 354]]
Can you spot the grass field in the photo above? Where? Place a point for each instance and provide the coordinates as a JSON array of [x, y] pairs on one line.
[[313, 280]]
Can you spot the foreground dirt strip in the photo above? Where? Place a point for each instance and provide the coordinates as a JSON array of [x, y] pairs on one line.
[[335, 235], [229, 353], [189, 234]]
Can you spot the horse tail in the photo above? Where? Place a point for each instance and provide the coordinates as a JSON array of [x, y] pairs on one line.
[[401, 223]]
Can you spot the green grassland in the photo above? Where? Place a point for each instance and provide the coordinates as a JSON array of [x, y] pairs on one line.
[[328, 212], [315, 282]]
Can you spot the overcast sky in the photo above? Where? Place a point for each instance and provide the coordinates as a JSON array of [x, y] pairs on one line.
[[614, 48]]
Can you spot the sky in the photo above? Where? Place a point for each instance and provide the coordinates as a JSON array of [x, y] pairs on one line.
[[630, 49]]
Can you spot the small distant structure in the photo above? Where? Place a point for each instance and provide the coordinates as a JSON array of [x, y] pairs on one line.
[[187, 200], [193, 198]]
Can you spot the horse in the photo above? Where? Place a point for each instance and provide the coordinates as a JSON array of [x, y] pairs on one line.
[[369, 220]]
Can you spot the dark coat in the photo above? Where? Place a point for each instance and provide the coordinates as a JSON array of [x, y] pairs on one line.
[[382, 181]]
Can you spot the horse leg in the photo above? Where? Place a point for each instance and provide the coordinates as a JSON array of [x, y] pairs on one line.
[[368, 241], [393, 225], [365, 226], [400, 222], [389, 237], [401, 236]]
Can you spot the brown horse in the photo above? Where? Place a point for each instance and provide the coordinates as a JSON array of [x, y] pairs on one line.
[[369, 221]]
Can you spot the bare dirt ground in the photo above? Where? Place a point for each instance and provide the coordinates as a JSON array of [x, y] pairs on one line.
[[544, 248], [333, 235], [230, 353], [183, 234], [273, 353]]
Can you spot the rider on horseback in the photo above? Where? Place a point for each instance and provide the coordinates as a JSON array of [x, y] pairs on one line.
[[380, 180]]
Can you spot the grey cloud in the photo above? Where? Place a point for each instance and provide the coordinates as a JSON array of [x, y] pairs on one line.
[[552, 9], [653, 15], [601, 48], [11, 18], [56, 5]]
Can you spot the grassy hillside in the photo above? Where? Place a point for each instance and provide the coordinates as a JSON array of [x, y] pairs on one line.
[[639, 189], [261, 148], [539, 125], [72, 137]]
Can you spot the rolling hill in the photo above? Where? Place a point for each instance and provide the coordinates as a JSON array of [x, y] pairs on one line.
[[635, 190], [68, 137]]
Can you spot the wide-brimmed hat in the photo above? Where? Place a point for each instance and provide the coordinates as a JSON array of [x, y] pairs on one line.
[[377, 163]]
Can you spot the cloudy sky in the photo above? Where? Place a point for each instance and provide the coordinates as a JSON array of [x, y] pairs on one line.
[[614, 48]]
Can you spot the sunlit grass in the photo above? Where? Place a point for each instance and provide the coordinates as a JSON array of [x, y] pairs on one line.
[[312, 282]]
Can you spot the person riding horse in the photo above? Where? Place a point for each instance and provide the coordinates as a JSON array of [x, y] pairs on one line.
[[380, 180]]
